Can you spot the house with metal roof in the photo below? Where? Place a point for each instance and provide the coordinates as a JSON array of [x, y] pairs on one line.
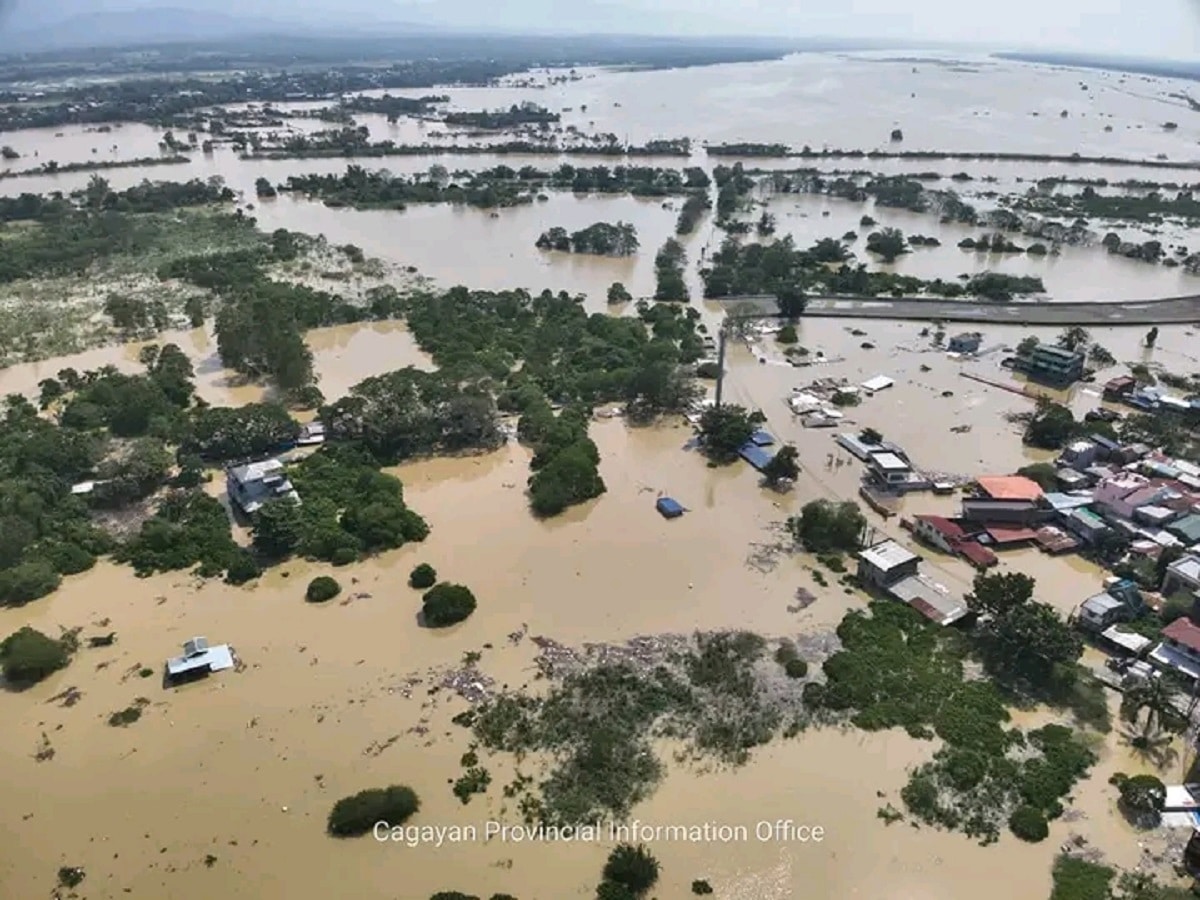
[[1180, 649], [1183, 575], [199, 659], [252, 485], [1186, 529], [885, 563]]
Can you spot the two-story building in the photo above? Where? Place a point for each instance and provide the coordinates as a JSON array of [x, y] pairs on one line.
[[1120, 602], [1180, 649], [895, 571], [252, 485]]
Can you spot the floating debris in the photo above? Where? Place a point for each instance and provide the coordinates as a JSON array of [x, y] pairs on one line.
[[469, 683], [804, 599], [67, 698]]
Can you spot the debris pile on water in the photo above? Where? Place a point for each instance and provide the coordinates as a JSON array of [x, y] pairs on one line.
[[469, 683]]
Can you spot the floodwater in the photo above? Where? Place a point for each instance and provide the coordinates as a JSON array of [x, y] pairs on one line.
[[963, 104], [243, 768], [343, 355]]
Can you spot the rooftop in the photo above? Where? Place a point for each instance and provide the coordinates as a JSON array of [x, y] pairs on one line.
[[1188, 528], [976, 553], [257, 471], [1187, 568], [1101, 604], [950, 530], [1183, 632], [1009, 487], [1058, 354], [929, 598], [887, 556], [889, 462], [199, 656]]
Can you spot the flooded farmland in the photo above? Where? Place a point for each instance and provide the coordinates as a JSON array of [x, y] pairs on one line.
[[222, 788]]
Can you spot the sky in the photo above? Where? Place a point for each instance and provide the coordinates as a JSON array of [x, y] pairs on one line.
[[1153, 28]]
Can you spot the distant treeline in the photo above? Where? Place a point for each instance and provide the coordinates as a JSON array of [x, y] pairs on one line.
[[779, 150], [54, 168], [1160, 68], [353, 142]]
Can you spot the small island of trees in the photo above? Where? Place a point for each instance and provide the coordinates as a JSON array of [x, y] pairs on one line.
[[600, 239]]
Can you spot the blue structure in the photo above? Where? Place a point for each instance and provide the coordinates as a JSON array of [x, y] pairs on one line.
[[668, 508], [761, 439], [755, 455]]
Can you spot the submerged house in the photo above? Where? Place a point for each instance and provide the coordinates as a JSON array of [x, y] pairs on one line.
[[199, 660], [251, 485], [967, 342], [1121, 602], [895, 571]]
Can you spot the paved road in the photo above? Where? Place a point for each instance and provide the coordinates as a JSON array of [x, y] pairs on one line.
[[1168, 311]]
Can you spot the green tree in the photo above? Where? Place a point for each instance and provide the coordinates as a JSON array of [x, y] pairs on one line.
[[888, 244], [826, 527], [447, 604], [787, 334], [277, 528], [1027, 345], [618, 293], [725, 429], [423, 576], [633, 867], [359, 813], [784, 465], [1142, 797], [1074, 338], [322, 588], [28, 656], [997, 594], [1156, 696], [1051, 426], [1152, 336]]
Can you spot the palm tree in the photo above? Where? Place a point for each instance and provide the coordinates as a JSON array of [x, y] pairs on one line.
[[1156, 696]]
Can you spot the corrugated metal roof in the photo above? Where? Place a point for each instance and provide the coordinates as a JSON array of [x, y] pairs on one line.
[[1009, 487], [887, 556], [755, 455]]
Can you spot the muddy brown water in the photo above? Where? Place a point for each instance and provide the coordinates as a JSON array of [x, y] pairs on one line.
[[211, 767], [230, 766]]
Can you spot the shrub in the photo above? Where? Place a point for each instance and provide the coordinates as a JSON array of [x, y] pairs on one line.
[[27, 656], [358, 813], [447, 604], [28, 581], [787, 335], [701, 887], [242, 568], [422, 577], [795, 668], [322, 588], [1029, 824], [633, 867], [343, 556]]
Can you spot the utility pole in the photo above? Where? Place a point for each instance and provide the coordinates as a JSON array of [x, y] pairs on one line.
[[722, 338]]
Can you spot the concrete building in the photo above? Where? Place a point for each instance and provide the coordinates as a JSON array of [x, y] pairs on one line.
[[886, 563], [1080, 455], [1111, 494], [252, 485], [1051, 364], [1182, 576], [1180, 649]]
